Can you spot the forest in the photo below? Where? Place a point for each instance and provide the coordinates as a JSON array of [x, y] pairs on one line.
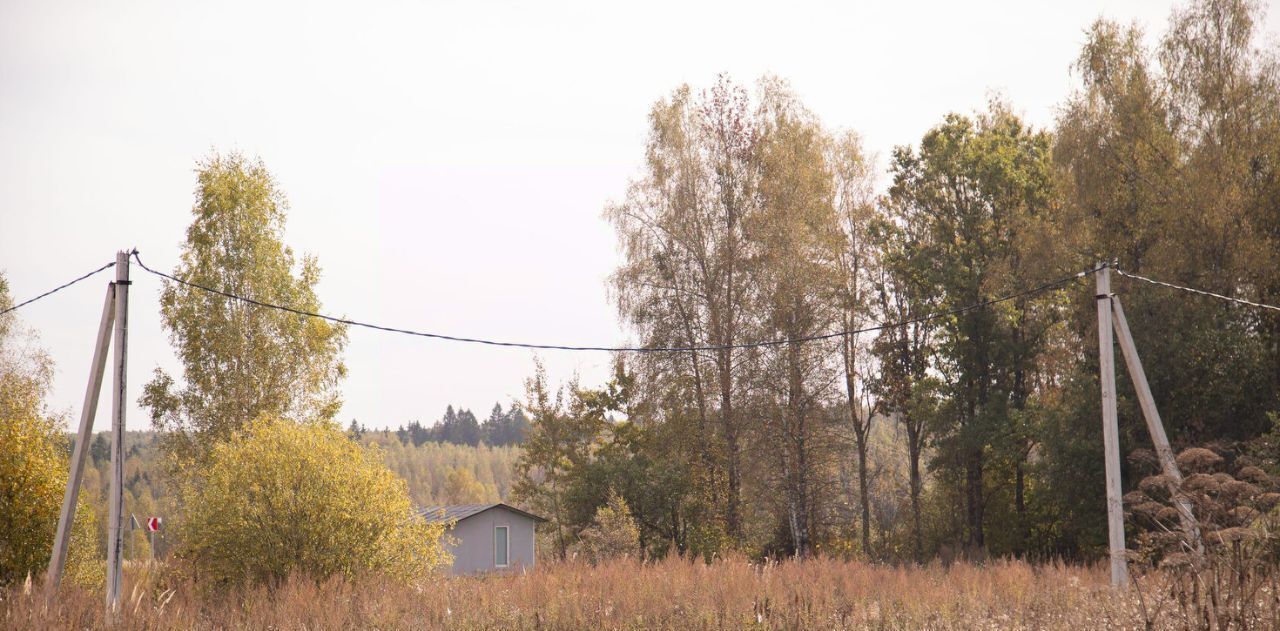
[[973, 434]]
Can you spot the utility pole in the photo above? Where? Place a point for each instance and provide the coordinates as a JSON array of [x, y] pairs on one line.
[[1110, 430], [88, 411], [1155, 427], [115, 523]]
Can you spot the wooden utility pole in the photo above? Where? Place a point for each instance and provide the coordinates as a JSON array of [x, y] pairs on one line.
[[1110, 430], [88, 411], [1155, 427], [115, 523]]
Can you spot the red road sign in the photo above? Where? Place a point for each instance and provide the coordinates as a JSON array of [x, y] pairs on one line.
[[153, 524]]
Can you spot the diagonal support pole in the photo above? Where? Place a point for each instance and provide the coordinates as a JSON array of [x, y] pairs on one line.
[[58, 560], [1155, 427]]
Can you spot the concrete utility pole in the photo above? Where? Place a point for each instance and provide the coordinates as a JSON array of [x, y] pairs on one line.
[[119, 402], [1110, 430], [1155, 427], [88, 411]]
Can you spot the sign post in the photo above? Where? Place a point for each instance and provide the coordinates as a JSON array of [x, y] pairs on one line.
[[153, 526]]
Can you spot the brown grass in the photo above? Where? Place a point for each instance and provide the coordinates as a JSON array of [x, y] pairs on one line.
[[671, 594]]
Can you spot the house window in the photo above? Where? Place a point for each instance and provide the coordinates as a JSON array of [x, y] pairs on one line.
[[500, 546]]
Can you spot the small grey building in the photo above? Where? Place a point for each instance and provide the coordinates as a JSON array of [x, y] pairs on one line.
[[487, 537]]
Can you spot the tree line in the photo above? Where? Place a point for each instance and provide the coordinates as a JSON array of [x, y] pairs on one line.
[[502, 428], [974, 433]]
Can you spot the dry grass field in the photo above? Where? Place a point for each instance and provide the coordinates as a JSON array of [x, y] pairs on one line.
[[672, 594]]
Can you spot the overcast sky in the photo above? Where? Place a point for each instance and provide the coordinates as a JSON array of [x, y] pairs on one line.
[[447, 162]]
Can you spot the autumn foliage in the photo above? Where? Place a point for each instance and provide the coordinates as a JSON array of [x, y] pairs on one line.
[[280, 498], [33, 466]]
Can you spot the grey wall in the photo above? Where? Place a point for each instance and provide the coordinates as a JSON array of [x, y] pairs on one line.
[[473, 546]]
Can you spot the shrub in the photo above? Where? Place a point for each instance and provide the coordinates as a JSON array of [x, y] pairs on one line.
[[33, 478], [33, 465], [1221, 583], [281, 497], [613, 532]]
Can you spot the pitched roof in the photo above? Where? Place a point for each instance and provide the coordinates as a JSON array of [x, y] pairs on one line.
[[459, 512]]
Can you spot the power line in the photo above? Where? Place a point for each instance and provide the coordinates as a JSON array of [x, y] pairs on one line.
[[623, 349], [57, 289], [1196, 291], [648, 349]]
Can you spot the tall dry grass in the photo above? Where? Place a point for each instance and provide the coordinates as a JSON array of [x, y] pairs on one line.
[[624, 594]]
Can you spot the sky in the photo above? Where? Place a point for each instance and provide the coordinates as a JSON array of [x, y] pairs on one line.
[[448, 163]]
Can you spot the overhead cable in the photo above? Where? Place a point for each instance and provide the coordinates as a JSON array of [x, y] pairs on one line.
[[1196, 291], [57, 289], [623, 349], [649, 349]]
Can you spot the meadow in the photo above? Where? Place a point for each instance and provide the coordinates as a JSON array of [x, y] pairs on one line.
[[625, 594]]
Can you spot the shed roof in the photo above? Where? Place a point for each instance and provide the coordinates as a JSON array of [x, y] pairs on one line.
[[459, 512]]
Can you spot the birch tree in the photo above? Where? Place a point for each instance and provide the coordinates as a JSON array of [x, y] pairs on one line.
[[241, 361], [797, 233], [685, 278], [854, 206]]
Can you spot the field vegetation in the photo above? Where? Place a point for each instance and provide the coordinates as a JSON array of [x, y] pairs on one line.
[[669, 594]]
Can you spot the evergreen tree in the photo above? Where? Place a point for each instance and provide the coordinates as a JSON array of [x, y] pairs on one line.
[[466, 430], [491, 429], [516, 427], [505, 428], [100, 449]]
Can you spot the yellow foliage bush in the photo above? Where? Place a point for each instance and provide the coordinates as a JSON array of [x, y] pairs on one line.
[[281, 497], [613, 532], [33, 478]]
